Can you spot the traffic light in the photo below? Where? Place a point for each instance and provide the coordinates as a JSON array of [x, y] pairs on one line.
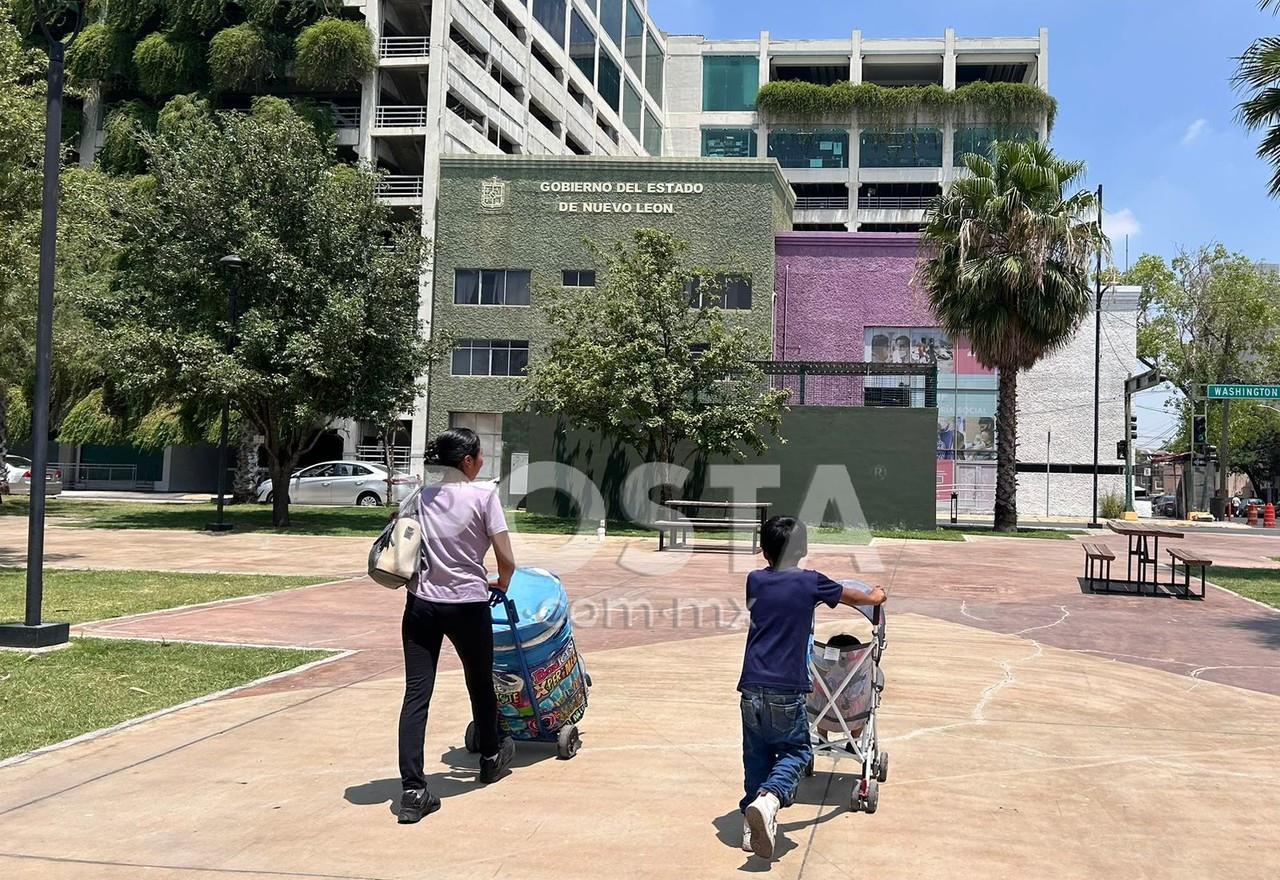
[[1199, 430], [1211, 453], [1133, 427]]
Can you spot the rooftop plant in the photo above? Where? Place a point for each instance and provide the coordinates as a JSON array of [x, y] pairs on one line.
[[333, 53]]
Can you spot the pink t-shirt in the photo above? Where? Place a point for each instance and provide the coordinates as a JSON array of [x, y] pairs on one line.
[[458, 521]]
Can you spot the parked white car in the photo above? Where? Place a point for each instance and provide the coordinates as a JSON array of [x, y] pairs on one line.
[[360, 483], [18, 472]]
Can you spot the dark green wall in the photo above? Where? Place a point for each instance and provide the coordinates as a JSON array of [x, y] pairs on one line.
[[889, 454], [729, 227]]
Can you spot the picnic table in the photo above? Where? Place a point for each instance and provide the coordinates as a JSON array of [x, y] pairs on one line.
[[1144, 546], [676, 532]]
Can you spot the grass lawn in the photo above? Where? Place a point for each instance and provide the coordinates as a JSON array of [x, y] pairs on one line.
[[1259, 584], [95, 683], [81, 596]]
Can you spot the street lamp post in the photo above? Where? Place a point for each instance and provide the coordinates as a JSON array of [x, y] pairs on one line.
[[233, 265], [1097, 369], [34, 632]]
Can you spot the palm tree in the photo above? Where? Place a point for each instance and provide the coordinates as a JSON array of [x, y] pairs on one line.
[[1259, 76], [1005, 262]]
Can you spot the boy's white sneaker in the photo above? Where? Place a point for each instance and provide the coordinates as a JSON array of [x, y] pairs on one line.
[[746, 834], [762, 818]]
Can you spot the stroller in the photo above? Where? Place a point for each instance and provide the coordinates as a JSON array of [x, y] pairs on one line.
[[847, 682], [539, 677]]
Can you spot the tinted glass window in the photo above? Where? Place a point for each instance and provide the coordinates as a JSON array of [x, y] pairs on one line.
[[550, 14], [652, 134], [810, 148], [728, 143], [582, 46], [635, 38], [466, 287], [730, 82], [611, 18], [653, 68], [610, 84], [904, 148], [633, 110]]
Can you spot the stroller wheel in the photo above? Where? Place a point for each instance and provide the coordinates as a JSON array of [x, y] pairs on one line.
[[469, 738], [872, 801], [568, 742], [882, 767], [808, 768]]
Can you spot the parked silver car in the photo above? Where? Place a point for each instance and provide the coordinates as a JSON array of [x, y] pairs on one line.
[[18, 471], [344, 483]]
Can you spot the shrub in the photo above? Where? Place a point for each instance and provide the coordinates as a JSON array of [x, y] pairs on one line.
[[122, 151], [240, 59], [133, 15], [198, 16], [100, 54], [333, 54], [1004, 103], [1111, 506], [182, 111], [260, 12], [167, 66]]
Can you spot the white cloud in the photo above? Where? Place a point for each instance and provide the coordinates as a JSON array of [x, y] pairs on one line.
[[1120, 223], [1194, 130]]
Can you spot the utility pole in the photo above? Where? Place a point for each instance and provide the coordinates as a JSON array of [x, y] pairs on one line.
[[1097, 368]]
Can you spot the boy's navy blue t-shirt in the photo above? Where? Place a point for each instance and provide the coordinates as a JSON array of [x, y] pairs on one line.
[[781, 634]]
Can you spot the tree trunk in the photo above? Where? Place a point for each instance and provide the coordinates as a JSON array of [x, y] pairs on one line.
[[245, 487], [388, 461], [280, 493], [4, 441], [1007, 452]]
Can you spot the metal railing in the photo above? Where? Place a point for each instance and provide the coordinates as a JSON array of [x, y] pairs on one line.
[[400, 456], [822, 203], [404, 47], [407, 116], [894, 203], [100, 476], [345, 115], [841, 383], [400, 186]]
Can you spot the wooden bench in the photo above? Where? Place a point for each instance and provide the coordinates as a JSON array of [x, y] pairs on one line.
[[1099, 557], [1188, 559], [679, 530]]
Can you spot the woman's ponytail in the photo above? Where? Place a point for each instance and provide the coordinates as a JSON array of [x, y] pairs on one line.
[[452, 447]]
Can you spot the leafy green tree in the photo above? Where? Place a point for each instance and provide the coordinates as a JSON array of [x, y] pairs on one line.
[[1007, 265], [633, 359], [1255, 442], [1258, 75], [327, 301]]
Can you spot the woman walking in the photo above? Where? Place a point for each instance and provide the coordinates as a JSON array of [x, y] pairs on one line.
[[450, 597]]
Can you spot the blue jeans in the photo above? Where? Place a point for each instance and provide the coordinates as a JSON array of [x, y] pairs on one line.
[[775, 743]]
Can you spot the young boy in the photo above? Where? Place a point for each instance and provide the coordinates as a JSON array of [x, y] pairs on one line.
[[775, 676]]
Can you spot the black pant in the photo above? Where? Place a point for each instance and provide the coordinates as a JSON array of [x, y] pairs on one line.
[[423, 628]]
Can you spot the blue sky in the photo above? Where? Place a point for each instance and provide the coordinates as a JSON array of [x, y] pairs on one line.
[[1144, 95], [1143, 90]]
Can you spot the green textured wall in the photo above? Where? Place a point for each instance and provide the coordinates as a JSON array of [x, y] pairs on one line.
[[729, 227], [890, 455]]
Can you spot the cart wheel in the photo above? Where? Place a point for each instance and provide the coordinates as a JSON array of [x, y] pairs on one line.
[[872, 801], [882, 767], [469, 738], [568, 742], [808, 768]]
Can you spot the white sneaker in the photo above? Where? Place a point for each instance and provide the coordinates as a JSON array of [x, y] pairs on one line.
[[746, 834], [762, 818]]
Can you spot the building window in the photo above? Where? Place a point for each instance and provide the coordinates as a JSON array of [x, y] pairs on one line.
[[730, 82], [610, 83], [653, 68], [728, 143], [809, 148], [979, 140], [582, 46], [550, 14], [727, 292], [579, 277], [490, 357], [652, 134], [488, 426], [633, 110], [904, 148], [491, 287], [635, 38], [611, 18]]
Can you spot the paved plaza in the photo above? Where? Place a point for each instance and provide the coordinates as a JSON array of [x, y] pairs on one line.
[[1035, 730]]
